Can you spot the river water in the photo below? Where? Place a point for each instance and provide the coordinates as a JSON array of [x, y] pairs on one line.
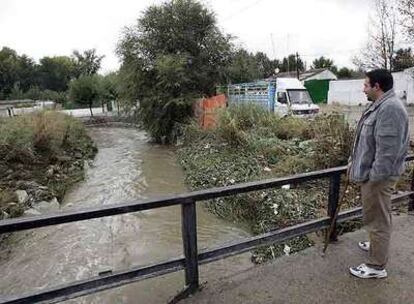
[[126, 167]]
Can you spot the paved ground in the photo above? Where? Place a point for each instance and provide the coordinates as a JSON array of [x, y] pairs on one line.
[[309, 278]]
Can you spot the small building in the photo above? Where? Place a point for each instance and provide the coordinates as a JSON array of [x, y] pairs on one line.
[[350, 92], [347, 92], [317, 74], [314, 74]]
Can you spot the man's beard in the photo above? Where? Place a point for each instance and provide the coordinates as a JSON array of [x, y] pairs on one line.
[[370, 98]]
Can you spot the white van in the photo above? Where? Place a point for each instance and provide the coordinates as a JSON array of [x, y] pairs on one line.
[[293, 98]]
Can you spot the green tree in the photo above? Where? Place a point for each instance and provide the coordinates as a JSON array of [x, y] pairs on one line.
[[17, 73], [27, 73], [55, 73], [174, 54], [403, 59], [8, 71], [291, 63], [244, 67], [344, 73], [85, 90], [324, 63], [108, 88], [16, 93], [109, 85], [34, 93], [266, 66], [87, 63]]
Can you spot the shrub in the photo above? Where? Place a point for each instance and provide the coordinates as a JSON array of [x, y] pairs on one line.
[[333, 140], [293, 127], [162, 115], [16, 140]]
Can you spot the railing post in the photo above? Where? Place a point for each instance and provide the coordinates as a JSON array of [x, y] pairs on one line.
[[333, 199], [189, 233]]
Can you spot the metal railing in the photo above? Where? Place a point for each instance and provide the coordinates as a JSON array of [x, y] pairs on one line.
[[192, 258]]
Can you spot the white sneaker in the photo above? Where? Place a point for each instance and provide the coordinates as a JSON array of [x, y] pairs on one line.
[[365, 272], [364, 245]]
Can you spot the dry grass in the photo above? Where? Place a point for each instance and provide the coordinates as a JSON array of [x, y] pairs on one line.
[[25, 138], [252, 144], [46, 149]]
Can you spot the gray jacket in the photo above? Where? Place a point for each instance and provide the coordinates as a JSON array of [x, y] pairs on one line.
[[381, 141]]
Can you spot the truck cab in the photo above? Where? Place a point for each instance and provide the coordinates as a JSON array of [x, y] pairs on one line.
[[293, 98]]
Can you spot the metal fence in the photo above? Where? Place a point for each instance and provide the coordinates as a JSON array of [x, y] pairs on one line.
[[192, 257]]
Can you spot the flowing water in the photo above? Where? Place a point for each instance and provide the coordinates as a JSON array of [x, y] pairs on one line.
[[126, 168]]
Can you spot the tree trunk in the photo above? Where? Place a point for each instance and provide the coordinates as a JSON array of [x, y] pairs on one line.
[[90, 108]]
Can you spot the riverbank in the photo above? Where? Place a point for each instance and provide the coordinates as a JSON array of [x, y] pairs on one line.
[[126, 168], [41, 156], [251, 144]]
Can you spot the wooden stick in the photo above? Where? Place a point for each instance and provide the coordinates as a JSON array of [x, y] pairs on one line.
[[332, 225]]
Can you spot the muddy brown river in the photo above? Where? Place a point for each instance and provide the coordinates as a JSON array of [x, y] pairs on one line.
[[126, 167]]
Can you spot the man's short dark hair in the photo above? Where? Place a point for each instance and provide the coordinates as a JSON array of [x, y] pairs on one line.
[[382, 77]]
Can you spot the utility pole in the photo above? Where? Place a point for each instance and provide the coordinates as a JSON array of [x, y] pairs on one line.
[[287, 52], [297, 65]]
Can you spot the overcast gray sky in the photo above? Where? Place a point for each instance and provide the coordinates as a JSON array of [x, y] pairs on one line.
[[332, 28]]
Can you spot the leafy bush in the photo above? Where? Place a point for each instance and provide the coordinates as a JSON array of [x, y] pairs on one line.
[[162, 116], [333, 140], [293, 127]]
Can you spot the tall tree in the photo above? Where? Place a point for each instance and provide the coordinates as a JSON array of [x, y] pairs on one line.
[[85, 90], [266, 66], [292, 63], [344, 73], [406, 9], [8, 71], [87, 63], [27, 73], [403, 59], [380, 48], [175, 53], [244, 67], [17, 73], [55, 73], [108, 88], [322, 63]]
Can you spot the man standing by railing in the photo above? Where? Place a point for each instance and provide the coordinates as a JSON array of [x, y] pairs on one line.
[[377, 162]]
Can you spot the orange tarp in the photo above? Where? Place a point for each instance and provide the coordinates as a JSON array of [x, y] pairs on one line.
[[206, 110]]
